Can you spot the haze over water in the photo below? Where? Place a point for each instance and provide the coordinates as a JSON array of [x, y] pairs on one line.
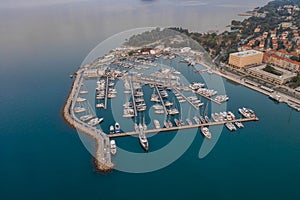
[[41, 157]]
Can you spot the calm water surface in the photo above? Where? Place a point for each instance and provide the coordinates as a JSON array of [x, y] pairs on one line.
[[41, 157]]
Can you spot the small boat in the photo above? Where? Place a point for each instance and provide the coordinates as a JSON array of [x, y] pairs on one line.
[[95, 121], [168, 103], [100, 105], [170, 123], [207, 119], [111, 129], [156, 124], [239, 124], [230, 126], [86, 118], [159, 112], [80, 99], [83, 92], [177, 122], [113, 147], [189, 121], [166, 124], [158, 107], [197, 120], [205, 132], [202, 120], [117, 127], [79, 109]]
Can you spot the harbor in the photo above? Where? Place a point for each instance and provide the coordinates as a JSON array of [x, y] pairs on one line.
[[170, 98]]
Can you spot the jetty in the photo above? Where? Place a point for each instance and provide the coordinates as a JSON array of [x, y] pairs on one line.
[[189, 101], [161, 100], [174, 128], [106, 93]]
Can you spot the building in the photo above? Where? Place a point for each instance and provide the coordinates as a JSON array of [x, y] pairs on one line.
[[259, 73], [282, 62], [245, 58]]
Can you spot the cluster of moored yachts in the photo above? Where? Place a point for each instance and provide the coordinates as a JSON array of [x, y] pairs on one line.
[[198, 88], [104, 87]]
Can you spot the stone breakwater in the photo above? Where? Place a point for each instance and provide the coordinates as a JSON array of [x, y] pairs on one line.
[[102, 159]]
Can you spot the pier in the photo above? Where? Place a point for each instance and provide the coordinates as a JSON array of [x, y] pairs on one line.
[[106, 93], [162, 101], [182, 127], [133, 98], [209, 98], [196, 107]]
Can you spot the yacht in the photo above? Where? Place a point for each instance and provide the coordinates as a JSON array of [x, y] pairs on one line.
[[85, 118], [79, 109], [143, 139], [197, 120], [247, 113], [83, 92], [166, 124], [80, 99], [95, 121], [117, 127], [158, 107], [207, 119], [177, 122], [113, 147], [111, 95], [230, 126], [173, 111], [239, 124], [111, 129], [205, 132], [128, 113], [99, 105], [156, 124], [168, 103], [159, 112], [170, 123], [202, 120], [189, 121]]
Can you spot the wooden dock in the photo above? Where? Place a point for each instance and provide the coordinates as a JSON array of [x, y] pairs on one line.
[[182, 127]]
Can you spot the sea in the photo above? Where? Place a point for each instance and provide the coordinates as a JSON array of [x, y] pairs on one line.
[[42, 157]]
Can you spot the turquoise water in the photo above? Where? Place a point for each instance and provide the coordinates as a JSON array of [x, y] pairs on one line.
[[41, 157]]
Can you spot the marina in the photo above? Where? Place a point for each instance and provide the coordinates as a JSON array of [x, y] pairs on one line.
[[170, 97]]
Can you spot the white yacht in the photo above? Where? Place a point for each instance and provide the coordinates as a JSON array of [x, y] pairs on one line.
[[156, 124], [117, 127], [205, 132], [79, 109], [111, 129], [113, 147]]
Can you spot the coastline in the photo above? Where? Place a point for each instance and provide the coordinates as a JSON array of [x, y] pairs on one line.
[[284, 98]]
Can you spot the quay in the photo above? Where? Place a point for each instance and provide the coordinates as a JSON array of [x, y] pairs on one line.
[[102, 155], [182, 127], [196, 107]]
